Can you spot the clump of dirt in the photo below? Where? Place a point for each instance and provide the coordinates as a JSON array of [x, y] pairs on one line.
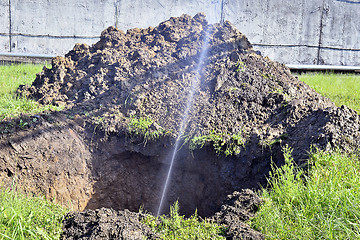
[[124, 99], [237, 209], [105, 223]]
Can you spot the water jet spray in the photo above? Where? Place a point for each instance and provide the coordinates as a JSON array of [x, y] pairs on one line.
[[194, 86]]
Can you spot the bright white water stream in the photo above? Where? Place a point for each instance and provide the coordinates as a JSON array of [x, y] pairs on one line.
[[194, 86]]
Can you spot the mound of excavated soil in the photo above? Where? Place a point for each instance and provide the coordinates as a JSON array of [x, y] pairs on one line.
[[148, 72], [124, 99]]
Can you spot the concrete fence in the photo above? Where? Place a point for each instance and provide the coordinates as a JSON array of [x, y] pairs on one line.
[[295, 32]]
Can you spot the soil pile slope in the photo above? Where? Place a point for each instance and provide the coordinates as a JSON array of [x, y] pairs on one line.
[[148, 72]]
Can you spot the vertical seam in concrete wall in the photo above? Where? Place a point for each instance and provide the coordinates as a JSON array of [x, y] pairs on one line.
[[222, 14], [116, 14], [10, 27], [321, 32]]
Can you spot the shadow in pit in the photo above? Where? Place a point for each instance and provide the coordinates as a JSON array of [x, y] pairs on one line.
[[200, 180]]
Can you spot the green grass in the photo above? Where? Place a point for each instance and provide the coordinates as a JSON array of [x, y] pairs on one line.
[[177, 227], [23, 217], [145, 127], [11, 77], [342, 89], [322, 202], [221, 142]]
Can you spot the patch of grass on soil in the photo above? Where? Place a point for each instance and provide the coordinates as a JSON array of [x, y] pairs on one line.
[[177, 227], [322, 202], [24, 217], [222, 143], [11, 76], [145, 127], [342, 89]]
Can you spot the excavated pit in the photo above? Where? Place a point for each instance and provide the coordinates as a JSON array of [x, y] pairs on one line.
[[53, 159], [124, 98], [129, 180]]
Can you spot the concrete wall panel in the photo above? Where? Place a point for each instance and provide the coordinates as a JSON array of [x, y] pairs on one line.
[[145, 13], [4, 44], [300, 55], [4, 17], [346, 58], [275, 25], [299, 31], [248, 17], [4, 26], [341, 25], [341, 30], [48, 45], [62, 18]]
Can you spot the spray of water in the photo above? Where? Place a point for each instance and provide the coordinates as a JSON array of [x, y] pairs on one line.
[[194, 86]]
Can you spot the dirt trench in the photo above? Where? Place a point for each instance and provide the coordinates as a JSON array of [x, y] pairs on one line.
[[124, 98]]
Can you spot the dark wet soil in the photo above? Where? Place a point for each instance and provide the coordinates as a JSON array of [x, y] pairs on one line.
[[104, 223], [93, 154]]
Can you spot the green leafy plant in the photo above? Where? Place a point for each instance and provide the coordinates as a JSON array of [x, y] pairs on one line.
[[10, 78], [240, 66], [342, 89], [199, 141], [222, 143], [23, 217], [270, 142], [320, 202], [178, 227], [22, 123], [146, 128], [232, 89], [278, 90], [267, 75], [234, 145]]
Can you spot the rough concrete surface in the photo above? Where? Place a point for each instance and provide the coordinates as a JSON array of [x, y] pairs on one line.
[[304, 32]]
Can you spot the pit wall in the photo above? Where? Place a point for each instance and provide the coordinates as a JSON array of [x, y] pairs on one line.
[[292, 32]]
